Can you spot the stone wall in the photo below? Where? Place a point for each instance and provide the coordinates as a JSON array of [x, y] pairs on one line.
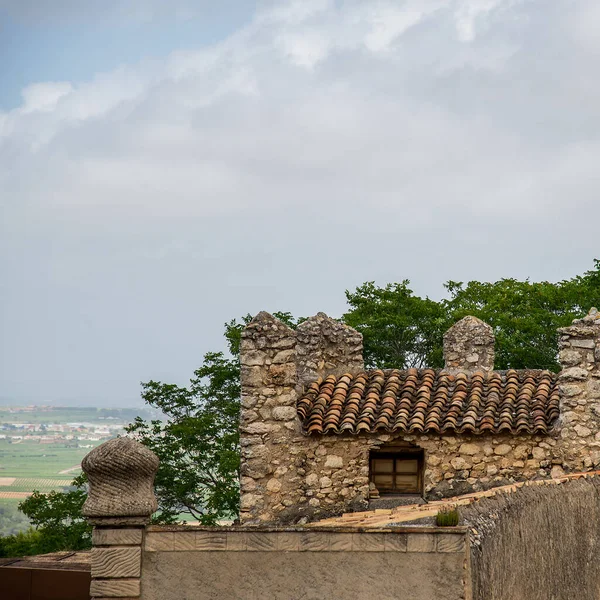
[[580, 393], [469, 346], [290, 478], [279, 464], [230, 564]]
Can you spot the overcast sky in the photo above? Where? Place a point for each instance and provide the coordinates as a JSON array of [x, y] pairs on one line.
[[165, 167]]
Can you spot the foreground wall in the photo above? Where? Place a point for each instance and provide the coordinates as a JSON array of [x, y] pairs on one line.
[[415, 564], [538, 543]]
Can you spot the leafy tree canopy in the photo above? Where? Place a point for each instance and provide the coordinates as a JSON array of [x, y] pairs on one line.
[[58, 522]]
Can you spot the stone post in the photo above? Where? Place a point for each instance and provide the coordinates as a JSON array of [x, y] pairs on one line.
[[469, 346], [580, 392], [268, 419], [119, 504], [327, 347]]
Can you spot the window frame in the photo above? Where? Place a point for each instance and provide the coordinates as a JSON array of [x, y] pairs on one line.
[[398, 455]]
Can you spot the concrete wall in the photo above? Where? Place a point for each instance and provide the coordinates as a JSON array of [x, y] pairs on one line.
[[415, 564]]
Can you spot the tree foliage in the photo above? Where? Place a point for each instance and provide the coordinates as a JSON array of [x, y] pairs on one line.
[[198, 444], [399, 329], [58, 522], [403, 330]]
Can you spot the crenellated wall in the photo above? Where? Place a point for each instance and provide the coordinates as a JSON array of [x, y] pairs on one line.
[[288, 477]]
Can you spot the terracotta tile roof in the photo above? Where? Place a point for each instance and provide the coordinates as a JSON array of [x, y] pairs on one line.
[[425, 400]]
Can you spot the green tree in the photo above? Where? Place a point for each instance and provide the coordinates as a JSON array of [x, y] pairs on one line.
[[403, 330], [58, 522], [198, 444], [399, 329], [525, 315]]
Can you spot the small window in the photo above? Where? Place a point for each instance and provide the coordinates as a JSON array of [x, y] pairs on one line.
[[397, 472]]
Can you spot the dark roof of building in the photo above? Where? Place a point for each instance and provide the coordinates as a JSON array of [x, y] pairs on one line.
[[426, 400]]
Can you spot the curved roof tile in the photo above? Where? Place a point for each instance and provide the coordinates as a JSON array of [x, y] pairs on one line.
[[425, 400]]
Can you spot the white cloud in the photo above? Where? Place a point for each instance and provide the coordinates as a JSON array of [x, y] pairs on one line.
[[322, 145]]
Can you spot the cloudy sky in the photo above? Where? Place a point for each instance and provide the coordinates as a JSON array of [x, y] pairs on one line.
[[165, 167]]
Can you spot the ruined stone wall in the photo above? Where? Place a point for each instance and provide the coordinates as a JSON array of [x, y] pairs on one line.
[[270, 448], [469, 346], [580, 393]]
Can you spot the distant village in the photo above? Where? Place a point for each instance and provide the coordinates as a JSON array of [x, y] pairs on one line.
[[77, 434]]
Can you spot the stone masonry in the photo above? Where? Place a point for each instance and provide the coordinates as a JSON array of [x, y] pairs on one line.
[[580, 393], [288, 477], [119, 504], [469, 346]]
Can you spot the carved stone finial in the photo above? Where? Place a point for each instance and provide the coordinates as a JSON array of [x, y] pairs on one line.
[[469, 346], [121, 476]]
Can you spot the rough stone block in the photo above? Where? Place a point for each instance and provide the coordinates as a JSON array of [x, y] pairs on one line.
[[209, 540], [117, 537], [116, 562], [450, 542], [420, 542], [115, 588]]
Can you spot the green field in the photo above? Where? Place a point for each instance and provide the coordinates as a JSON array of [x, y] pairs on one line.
[[33, 460], [73, 415], [35, 467]]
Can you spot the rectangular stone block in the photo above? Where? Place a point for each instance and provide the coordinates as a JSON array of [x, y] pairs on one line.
[[115, 588], [184, 540], [265, 542], [288, 542], [450, 542], [314, 541], [236, 541], [117, 537], [420, 542], [395, 542], [368, 542], [340, 542], [116, 562], [211, 540], [159, 541]]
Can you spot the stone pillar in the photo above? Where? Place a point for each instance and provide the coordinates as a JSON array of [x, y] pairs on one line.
[[580, 392], [268, 420], [119, 504], [469, 346], [327, 347]]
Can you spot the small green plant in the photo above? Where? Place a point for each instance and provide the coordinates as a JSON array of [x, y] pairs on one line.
[[447, 517]]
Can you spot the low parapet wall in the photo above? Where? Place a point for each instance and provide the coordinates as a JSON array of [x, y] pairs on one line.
[[294, 564]]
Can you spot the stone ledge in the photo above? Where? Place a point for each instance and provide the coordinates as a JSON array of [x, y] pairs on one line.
[[117, 537], [306, 541]]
